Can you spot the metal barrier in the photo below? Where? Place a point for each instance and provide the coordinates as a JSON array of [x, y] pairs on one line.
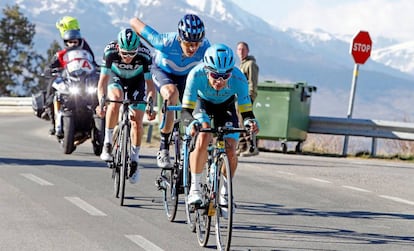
[[24, 105], [362, 127], [321, 125]]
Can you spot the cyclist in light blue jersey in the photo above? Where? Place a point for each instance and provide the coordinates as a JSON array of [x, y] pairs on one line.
[[212, 89], [126, 62], [176, 53]]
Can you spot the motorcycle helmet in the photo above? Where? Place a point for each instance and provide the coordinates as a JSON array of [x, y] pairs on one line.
[[128, 40], [219, 58], [191, 28], [67, 23], [70, 36]]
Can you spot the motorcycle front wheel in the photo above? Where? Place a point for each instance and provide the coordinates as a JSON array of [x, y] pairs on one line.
[[68, 134]]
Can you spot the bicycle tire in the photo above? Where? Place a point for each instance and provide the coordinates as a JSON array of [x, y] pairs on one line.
[[170, 196], [124, 159], [203, 214], [223, 225], [116, 162], [186, 182]]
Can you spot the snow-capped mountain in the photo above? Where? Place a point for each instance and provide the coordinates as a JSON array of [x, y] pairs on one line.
[[319, 58], [398, 56]]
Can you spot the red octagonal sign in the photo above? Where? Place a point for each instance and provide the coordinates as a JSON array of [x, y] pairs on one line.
[[361, 47]]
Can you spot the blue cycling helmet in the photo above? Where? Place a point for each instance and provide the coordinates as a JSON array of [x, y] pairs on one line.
[[128, 40], [219, 58], [191, 28]]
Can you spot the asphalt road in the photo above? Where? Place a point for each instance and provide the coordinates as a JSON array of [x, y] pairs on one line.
[[53, 201]]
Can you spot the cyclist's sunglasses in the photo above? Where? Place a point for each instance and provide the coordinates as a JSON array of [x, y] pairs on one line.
[[217, 76], [130, 54]]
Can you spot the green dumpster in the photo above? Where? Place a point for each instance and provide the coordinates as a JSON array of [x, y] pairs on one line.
[[283, 112]]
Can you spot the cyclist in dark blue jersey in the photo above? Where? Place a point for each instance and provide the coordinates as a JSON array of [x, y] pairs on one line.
[[176, 53], [125, 62], [212, 90]]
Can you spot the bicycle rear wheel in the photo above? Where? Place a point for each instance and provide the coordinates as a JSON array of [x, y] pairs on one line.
[[224, 214], [123, 172], [169, 194]]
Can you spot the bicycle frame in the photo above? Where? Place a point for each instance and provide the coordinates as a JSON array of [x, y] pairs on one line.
[[217, 160], [176, 180], [122, 146]]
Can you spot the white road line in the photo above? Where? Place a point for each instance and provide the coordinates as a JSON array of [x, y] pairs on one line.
[[397, 199], [36, 179], [144, 243], [85, 206], [320, 180], [287, 173], [357, 189]]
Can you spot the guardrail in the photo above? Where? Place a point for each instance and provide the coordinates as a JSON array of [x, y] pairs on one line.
[[362, 127], [24, 105], [320, 125]]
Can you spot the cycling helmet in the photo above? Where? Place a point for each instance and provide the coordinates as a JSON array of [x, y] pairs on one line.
[[219, 58], [128, 40], [67, 23], [191, 28]]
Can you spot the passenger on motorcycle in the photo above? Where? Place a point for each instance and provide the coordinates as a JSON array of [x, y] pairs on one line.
[[72, 40], [212, 89], [69, 31], [128, 60], [176, 53]]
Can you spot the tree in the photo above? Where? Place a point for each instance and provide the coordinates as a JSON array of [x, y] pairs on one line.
[[20, 65]]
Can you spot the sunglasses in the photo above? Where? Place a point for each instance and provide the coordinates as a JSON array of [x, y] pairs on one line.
[[130, 54], [217, 76]]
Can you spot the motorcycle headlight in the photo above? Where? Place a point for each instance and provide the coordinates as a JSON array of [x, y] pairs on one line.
[[91, 90], [74, 90]]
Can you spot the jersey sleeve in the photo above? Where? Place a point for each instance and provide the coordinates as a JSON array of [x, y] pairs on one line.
[[106, 62], [243, 98], [190, 92]]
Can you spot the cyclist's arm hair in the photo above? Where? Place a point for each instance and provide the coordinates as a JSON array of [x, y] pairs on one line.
[[187, 116]]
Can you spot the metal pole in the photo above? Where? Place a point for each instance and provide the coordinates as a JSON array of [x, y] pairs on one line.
[[351, 105]]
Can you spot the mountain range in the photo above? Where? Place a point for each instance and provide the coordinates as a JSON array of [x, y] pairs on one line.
[[384, 87]]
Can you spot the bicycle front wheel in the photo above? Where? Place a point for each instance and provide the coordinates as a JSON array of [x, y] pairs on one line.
[[224, 214], [203, 214], [123, 172], [116, 161]]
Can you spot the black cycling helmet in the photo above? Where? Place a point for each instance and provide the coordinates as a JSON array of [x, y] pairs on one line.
[[191, 28]]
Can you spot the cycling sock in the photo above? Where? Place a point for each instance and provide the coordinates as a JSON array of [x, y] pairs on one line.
[[195, 181], [108, 135], [164, 145], [135, 153]]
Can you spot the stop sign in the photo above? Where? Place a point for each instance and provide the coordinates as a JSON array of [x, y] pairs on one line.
[[361, 47]]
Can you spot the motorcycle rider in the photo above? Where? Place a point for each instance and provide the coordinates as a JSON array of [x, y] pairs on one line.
[[69, 29], [126, 61], [72, 40]]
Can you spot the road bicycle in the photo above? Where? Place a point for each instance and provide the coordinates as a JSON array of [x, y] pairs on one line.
[[175, 179], [122, 145], [216, 164]]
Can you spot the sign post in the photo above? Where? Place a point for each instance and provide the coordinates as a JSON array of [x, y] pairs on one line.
[[360, 50]]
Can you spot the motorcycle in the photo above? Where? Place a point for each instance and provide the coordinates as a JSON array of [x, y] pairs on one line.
[[75, 92]]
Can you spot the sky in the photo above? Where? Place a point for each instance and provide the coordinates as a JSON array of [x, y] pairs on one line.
[[386, 18]]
